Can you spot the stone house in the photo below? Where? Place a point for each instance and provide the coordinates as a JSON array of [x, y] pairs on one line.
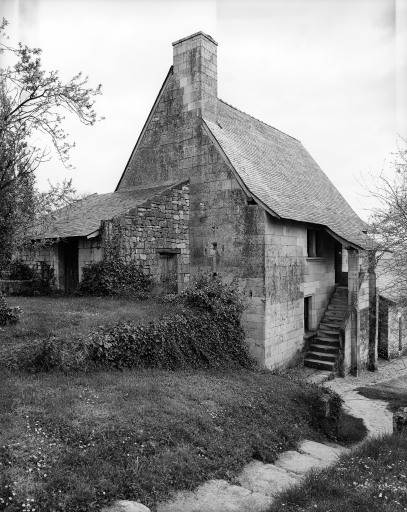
[[208, 188]]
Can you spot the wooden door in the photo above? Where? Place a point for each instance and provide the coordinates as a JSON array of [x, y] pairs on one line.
[[71, 265], [168, 272]]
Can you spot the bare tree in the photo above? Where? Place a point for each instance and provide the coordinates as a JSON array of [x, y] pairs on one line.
[[33, 101], [389, 227]]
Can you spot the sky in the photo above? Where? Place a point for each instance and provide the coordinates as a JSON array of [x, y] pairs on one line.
[[331, 73]]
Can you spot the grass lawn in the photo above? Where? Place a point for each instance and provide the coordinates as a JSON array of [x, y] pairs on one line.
[[73, 316], [74, 442]]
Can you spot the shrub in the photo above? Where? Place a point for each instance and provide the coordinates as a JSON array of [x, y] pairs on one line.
[[20, 270], [114, 277], [186, 340], [8, 315], [210, 294], [208, 336], [325, 406]]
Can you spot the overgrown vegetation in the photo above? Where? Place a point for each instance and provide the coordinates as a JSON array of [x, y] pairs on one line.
[[208, 336], [372, 478], [56, 325], [203, 331], [8, 315], [18, 269], [114, 277]]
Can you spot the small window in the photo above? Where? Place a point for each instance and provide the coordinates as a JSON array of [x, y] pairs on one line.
[[307, 314], [314, 243]]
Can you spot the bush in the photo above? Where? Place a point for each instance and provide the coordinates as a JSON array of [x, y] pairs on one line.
[[8, 315], [210, 294], [44, 280], [208, 336], [114, 277], [325, 408], [20, 271]]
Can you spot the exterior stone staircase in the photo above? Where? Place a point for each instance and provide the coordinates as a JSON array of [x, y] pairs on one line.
[[324, 349]]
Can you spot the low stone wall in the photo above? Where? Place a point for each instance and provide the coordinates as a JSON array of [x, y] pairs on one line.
[[15, 287]]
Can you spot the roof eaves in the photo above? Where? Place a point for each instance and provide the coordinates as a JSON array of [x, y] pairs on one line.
[[236, 174], [343, 241]]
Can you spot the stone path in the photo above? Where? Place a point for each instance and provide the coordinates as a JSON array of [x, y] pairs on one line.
[[377, 418], [259, 482]]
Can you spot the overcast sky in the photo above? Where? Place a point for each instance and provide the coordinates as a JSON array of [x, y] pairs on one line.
[[331, 73]]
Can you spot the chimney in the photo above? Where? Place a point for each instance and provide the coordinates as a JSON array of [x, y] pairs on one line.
[[195, 69]]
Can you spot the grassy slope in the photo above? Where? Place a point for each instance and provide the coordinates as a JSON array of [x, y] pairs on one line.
[[74, 442], [84, 440]]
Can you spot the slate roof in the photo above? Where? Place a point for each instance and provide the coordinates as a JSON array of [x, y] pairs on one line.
[[278, 170], [84, 216]]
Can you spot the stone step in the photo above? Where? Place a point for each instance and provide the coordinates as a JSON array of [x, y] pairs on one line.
[[330, 324], [328, 334], [337, 307], [338, 302], [319, 365], [316, 347], [324, 340], [321, 356], [341, 296], [340, 293], [334, 316]]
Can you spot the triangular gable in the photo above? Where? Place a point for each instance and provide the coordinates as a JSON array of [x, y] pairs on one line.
[[150, 116]]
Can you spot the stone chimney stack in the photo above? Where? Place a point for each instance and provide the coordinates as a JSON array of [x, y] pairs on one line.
[[195, 69]]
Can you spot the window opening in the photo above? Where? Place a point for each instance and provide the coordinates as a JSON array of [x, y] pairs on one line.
[[314, 243], [307, 313]]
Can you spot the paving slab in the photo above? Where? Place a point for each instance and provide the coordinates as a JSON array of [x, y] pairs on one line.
[[126, 506], [299, 463], [329, 453], [217, 496], [266, 478]]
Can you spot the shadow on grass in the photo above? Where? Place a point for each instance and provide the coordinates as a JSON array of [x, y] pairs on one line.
[[351, 430]]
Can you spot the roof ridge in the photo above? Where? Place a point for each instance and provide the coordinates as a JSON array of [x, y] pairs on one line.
[[259, 120]]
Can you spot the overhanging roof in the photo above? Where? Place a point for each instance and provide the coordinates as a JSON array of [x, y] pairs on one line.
[[278, 171]]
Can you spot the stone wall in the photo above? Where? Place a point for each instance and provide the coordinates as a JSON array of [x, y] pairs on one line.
[[155, 235], [42, 253], [289, 277], [227, 238]]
